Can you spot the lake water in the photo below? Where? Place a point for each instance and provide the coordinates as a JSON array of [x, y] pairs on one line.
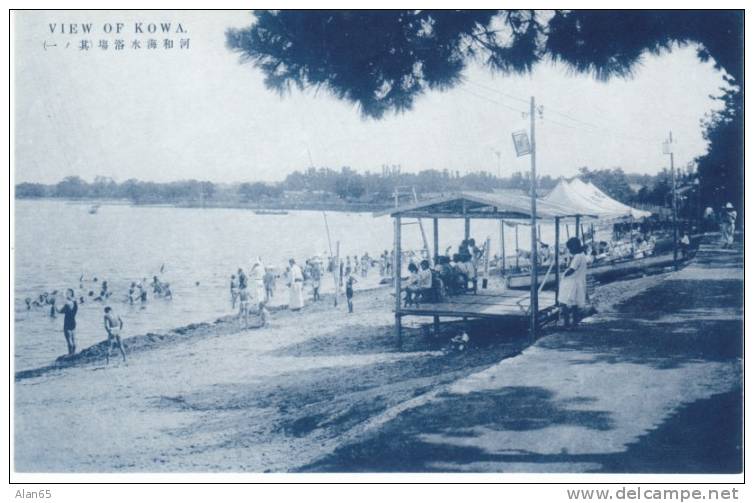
[[57, 241]]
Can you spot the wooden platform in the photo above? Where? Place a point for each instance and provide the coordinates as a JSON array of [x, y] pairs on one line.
[[485, 304]]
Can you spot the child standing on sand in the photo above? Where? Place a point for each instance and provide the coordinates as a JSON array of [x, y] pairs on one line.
[[113, 326], [263, 313], [349, 291], [243, 306], [269, 284], [233, 291], [316, 275]]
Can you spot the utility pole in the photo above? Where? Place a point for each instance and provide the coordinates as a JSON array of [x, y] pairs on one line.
[[499, 170], [533, 294], [669, 144]]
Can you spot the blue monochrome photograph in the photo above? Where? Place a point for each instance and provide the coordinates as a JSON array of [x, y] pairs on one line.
[[377, 242]]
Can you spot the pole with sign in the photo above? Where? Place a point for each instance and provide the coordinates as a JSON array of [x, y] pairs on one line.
[[534, 293], [667, 148], [524, 146]]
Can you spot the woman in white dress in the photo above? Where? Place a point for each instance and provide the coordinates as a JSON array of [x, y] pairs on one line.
[[256, 283], [296, 287], [728, 225], [573, 284]]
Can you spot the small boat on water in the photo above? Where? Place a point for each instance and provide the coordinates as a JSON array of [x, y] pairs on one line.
[[93, 209], [270, 212]]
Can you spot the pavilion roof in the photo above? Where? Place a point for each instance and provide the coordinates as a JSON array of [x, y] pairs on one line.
[[472, 204]]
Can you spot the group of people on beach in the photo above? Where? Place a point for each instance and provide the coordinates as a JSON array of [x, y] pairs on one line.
[[113, 324], [452, 273], [251, 292], [724, 220], [70, 308], [458, 274], [359, 266]]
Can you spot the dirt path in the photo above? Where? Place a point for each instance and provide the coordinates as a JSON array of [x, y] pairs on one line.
[[651, 385], [324, 390]]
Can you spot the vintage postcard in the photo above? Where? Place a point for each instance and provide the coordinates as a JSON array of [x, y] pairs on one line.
[[495, 242]]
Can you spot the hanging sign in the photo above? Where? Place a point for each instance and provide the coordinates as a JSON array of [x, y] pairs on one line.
[[521, 142]]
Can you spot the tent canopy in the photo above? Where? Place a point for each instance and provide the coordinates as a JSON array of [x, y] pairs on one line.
[[586, 198], [470, 204]]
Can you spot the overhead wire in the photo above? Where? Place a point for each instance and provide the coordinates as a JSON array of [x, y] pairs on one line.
[[593, 128], [490, 100]]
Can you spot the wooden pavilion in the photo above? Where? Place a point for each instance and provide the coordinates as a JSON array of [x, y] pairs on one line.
[[502, 305]]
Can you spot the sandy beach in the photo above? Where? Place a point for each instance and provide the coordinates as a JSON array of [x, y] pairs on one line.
[[322, 390]]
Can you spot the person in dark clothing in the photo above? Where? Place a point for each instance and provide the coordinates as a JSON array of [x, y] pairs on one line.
[[445, 275], [243, 281], [316, 277], [69, 310], [349, 291]]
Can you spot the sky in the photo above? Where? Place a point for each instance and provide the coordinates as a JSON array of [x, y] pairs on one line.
[[172, 114]]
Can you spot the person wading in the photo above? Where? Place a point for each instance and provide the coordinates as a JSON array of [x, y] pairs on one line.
[[69, 310]]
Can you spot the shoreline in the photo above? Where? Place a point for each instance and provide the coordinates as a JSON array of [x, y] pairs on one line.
[[324, 390], [606, 296], [344, 207], [228, 323], [151, 340], [603, 299]]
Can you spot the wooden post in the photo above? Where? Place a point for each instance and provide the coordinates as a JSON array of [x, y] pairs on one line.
[[336, 273], [517, 266], [675, 205], [397, 274], [534, 292], [578, 225], [421, 229], [568, 233], [466, 223], [631, 236], [502, 245], [557, 259], [327, 228], [436, 239]]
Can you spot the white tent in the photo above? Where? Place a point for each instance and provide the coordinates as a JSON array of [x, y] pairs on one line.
[[585, 198], [597, 194]]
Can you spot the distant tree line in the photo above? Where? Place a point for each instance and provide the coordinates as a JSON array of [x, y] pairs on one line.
[[74, 187], [654, 190], [348, 185]]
